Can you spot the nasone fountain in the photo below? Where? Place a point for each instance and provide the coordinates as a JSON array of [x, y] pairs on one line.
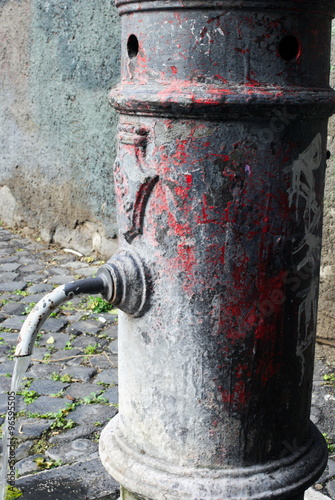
[[219, 179]]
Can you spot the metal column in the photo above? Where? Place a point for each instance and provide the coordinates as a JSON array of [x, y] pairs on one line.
[[219, 179]]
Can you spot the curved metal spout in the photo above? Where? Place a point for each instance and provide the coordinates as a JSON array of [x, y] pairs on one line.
[[122, 281], [51, 301]]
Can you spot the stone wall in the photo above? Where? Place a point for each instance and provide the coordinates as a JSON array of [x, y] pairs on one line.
[[326, 314], [58, 58]]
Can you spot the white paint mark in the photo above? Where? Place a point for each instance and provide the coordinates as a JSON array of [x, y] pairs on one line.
[[302, 196]]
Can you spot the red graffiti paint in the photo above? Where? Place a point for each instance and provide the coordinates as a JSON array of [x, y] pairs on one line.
[[238, 397], [241, 51]]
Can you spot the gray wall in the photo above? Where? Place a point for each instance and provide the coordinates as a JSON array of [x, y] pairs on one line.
[[58, 58], [326, 314]]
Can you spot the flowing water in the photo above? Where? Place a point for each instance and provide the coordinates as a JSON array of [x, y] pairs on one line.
[[20, 368]]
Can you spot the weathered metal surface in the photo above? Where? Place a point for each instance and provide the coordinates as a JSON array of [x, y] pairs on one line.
[[219, 179], [49, 303], [126, 283]]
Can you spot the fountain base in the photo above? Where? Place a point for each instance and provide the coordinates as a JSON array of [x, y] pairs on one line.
[[145, 478]]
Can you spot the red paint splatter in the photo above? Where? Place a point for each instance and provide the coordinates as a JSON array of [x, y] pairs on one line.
[[223, 157], [189, 178], [238, 397], [251, 81], [187, 261], [241, 51], [219, 77], [209, 214]]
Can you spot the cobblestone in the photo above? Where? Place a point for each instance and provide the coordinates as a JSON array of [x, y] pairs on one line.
[[107, 377], [92, 327], [112, 395], [4, 384], [13, 323], [23, 450], [81, 431], [27, 428], [73, 451], [54, 325], [42, 288], [331, 488], [28, 465], [6, 366], [12, 286], [14, 308], [46, 404], [60, 366], [45, 387], [81, 391], [83, 373], [89, 414]]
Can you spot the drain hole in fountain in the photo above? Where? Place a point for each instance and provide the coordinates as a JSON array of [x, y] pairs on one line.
[[132, 46], [289, 48]]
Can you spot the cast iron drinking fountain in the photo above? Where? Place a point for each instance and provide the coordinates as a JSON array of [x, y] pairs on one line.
[[219, 180]]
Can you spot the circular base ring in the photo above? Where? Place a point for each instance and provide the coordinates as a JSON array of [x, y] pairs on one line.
[[153, 479]]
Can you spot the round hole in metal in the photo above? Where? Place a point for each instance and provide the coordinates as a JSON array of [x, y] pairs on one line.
[[289, 48], [132, 46]]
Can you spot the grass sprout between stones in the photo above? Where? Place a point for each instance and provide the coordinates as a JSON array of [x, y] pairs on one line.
[[22, 293], [29, 307], [60, 421], [45, 464], [99, 305], [329, 378], [62, 378], [12, 493], [329, 441], [92, 349], [94, 399], [28, 396]]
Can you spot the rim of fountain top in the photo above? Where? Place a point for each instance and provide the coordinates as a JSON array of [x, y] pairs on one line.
[[194, 100], [326, 7]]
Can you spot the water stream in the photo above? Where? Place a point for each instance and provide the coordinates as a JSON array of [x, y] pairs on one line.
[[20, 368]]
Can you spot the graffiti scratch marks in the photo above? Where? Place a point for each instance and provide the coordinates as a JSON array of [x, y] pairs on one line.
[[302, 196]]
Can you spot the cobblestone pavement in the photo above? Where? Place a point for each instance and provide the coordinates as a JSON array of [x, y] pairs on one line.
[[70, 391]]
